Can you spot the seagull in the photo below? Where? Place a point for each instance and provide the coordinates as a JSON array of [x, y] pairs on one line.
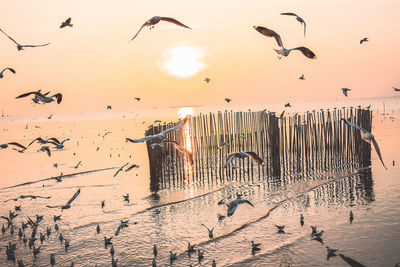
[[66, 244], [57, 218], [112, 251], [191, 248], [319, 234], [160, 135], [98, 229], [232, 205], [200, 255], [351, 216], [154, 263], [156, 19], [172, 256], [207, 80], [3, 146], [155, 250], [301, 219], [255, 245], [287, 105], [345, 91], [41, 97], [47, 149], [214, 264], [68, 205], [42, 141], [302, 77], [51, 116], [182, 150], [10, 69], [103, 203], [77, 165], [367, 137], [365, 39], [331, 250], [396, 89], [299, 19], [19, 46], [223, 144], [122, 225], [27, 196], [59, 145], [281, 116], [242, 155], [210, 232], [283, 51], [228, 100], [36, 251], [114, 262], [126, 198], [109, 107], [52, 259], [280, 228], [120, 169], [107, 241], [66, 23]]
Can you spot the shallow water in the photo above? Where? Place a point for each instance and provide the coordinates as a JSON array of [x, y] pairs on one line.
[[172, 217]]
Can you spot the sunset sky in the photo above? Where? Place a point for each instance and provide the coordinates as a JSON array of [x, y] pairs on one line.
[[93, 65]]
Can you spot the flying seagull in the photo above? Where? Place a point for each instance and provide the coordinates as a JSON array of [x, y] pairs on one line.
[[41, 97], [137, 98], [207, 80], [210, 231], [367, 137], [242, 155], [66, 23], [68, 205], [182, 150], [27, 196], [287, 105], [160, 135], [365, 39], [156, 19], [10, 69], [302, 77], [120, 169], [228, 100], [45, 149], [396, 89], [232, 205], [345, 90], [59, 145], [19, 46], [51, 116], [269, 33], [131, 167], [299, 19]]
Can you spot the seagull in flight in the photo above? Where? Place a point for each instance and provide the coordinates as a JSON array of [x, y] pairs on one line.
[[396, 89], [121, 226], [302, 77], [137, 98], [160, 135], [207, 80], [242, 155], [182, 150], [210, 231], [228, 100], [232, 205], [27, 196], [299, 19], [131, 167], [288, 105], [345, 90], [42, 98], [19, 46], [10, 69], [45, 149], [156, 19], [367, 137], [66, 23], [68, 205], [120, 169], [59, 145], [365, 39]]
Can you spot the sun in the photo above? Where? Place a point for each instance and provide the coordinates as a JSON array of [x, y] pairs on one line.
[[183, 112], [182, 61]]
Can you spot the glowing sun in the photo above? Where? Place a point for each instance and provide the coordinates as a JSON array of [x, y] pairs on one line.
[[182, 61]]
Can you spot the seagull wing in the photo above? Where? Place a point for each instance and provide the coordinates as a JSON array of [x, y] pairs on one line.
[[35, 45], [177, 127], [353, 125], [54, 139], [141, 140], [30, 93], [269, 33], [229, 159], [255, 157], [281, 116], [118, 230], [10, 69], [378, 151], [74, 197], [172, 20], [5, 218], [289, 14], [232, 206], [68, 21], [59, 97], [48, 151], [182, 150], [65, 140], [307, 52], [131, 167], [241, 201], [120, 169], [206, 227], [17, 144], [139, 31], [304, 28], [9, 37]]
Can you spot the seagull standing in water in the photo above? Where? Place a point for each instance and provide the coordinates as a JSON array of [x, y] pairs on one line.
[[10, 69], [367, 137], [68, 205], [255, 246], [161, 135], [156, 19], [345, 90], [299, 19], [19, 46]]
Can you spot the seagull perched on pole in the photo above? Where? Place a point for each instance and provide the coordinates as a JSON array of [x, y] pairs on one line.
[[156, 19], [68, 205], [242, 155], [283, 51], [42, 98], [367, 137], [10, 69], [66, 23], [345, 90], [161, 135], [19, 46], [299, 19]]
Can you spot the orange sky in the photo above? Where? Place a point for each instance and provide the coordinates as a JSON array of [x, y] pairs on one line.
[[93, 64]]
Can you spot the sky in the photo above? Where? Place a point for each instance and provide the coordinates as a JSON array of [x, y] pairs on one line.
[[93, 65]]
